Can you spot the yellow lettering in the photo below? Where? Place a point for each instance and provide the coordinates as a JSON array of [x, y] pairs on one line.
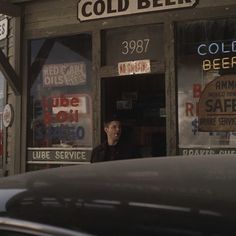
[[216, 64], [219, 63], [206, 65], [233, 61], [225, 63]]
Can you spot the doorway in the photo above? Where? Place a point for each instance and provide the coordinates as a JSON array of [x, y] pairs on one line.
[[139, 102]]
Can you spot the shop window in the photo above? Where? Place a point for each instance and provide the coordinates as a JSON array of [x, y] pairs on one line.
[[60, 104], [206, 70], [129, 43]]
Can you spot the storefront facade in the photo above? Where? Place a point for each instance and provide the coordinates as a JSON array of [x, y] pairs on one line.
[[166, 68], [10, 89]]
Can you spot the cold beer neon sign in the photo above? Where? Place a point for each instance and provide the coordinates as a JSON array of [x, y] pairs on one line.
[[96, 9], [218, 55]]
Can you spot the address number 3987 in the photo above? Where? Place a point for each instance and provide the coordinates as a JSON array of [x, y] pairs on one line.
[[135, 46]]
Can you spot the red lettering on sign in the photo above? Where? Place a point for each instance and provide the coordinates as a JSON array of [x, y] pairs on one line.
[[59, 102], [61, 116], [197, 90], [189, 109]]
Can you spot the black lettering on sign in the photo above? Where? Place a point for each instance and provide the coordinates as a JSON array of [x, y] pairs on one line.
[[169, 2], [123, 5], [85, 9], [2, 29], [109, 7], [207, 121], [95, 9], [220, 105], [99, 7], [142, 4]]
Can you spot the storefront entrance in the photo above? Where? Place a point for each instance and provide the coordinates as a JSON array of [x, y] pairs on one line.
[[139, 101]]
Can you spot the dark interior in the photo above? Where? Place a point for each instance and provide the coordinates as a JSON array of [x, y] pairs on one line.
[[139, 102]]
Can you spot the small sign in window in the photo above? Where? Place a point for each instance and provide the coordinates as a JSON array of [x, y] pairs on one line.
[[3, 28], [134, 67]]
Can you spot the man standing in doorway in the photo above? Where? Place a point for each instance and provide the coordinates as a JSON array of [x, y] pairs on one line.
[[112, 148]]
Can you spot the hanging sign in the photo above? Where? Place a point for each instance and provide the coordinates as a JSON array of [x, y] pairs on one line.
[[96, 9], [134, 67], [3, 28]]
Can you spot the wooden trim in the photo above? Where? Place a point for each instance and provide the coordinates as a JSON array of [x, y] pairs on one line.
[[96, 60], [17, 24], [24, 111], [10, 74], [171, 91]]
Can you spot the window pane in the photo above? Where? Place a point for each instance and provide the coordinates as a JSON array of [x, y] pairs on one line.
[[60, 109], [206, 60]]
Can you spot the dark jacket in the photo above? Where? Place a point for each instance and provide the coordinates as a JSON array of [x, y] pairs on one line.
[[104, 152]]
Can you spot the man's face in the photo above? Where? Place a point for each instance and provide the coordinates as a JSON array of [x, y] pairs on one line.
[[113, 130]]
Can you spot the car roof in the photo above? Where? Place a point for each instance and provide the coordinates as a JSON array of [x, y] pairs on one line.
[[148, 195]]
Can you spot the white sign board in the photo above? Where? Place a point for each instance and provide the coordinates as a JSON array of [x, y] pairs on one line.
[[134, 67], [3, 28], [66, 74], [96, 9]]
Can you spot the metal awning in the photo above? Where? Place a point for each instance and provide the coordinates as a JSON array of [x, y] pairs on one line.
[[9, 9]]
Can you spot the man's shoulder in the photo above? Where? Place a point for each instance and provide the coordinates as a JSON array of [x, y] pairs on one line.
[[98, 153], [100, 147]]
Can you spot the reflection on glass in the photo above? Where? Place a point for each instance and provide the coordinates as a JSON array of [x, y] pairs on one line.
[[60, 103], [60, 92], [205, 52]]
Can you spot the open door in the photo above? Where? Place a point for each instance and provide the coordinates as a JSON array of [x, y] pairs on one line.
[[139, 101]]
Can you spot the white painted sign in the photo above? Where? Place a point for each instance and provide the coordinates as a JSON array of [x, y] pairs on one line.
[[66, 74], [134, 67], [96, 9], [3, 28]]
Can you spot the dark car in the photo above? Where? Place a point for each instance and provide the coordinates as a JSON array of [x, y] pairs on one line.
[[150, 196]]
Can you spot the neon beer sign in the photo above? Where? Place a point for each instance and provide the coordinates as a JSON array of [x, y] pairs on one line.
[[218, 48]]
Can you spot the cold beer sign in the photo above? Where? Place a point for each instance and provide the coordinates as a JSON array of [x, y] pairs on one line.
[[96, 9]]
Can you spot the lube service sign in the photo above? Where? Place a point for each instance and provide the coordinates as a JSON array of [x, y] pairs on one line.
[[96, 9]]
